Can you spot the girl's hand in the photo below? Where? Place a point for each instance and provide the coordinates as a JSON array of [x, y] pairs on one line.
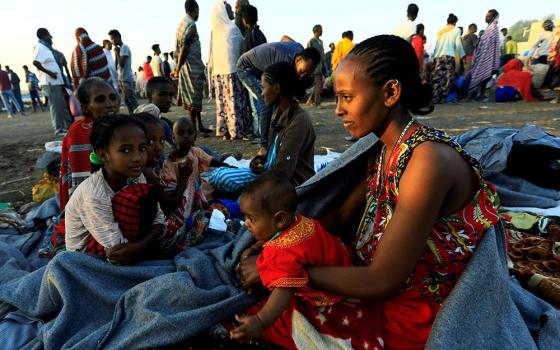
[[250, 328], [257, 164], [125, 254], [185, 169]]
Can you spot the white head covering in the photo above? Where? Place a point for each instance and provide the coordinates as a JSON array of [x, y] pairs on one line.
[[226, 41], [149, 108]]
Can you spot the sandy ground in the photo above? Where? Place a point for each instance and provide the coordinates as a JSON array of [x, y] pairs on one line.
[[22, 139]]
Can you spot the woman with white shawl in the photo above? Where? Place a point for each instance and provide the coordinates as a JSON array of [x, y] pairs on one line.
[[232, 119]]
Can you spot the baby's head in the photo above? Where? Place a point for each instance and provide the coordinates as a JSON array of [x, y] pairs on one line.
[[184, 134], [161, 92], [269, 205]]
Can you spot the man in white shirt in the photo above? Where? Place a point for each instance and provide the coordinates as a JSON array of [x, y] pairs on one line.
[[52, 82], [172, 63], [407, 29], [123, 61], [108, 49], [157, 63]]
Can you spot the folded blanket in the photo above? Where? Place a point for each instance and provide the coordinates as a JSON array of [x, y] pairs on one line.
[[87, 303]]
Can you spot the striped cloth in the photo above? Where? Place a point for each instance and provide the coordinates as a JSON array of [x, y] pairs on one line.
[[88, 60], [75, 166], [191, 75], [233, 180], [486, 58]]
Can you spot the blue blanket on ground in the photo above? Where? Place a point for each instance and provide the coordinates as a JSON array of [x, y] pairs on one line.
[[487, 309], [87, 303]]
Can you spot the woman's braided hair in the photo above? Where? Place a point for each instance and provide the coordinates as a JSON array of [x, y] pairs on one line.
[[387, 57]]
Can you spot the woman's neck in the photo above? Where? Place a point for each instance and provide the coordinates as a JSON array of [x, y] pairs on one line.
[[115, 181], [397, 121]]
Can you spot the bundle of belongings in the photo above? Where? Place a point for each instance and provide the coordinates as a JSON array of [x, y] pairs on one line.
[[524, 165]]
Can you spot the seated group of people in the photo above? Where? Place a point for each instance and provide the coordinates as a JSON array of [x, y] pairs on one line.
[[375, 270]]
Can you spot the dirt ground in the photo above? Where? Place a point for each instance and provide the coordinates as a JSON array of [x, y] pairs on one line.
[[22, 140]]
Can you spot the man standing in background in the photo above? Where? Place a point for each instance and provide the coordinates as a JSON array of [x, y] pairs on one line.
[[7, 94], [317, 44], [166, 65], [469, 44], [33, 87], [157, 64], [51, 80], [407, 29], [14, 79], [123, 60], [108, 49]]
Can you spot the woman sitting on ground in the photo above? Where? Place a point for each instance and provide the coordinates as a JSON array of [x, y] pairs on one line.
[[515, 81], [291, 139], [421, 222]]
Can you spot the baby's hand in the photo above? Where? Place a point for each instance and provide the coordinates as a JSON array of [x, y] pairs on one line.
[[257, 164], [185, 169], [250, 328]]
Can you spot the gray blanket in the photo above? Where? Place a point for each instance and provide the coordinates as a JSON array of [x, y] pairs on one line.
[[487, 309], [87, 303]]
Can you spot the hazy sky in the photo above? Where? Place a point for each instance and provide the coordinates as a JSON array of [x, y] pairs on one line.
[[145, 22]]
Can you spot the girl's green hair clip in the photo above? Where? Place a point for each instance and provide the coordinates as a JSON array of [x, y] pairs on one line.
[[94, 159]]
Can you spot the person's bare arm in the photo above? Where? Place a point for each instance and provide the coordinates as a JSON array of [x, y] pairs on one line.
[[40, 67], [123, 60], [169, 201], [253, 326], [180, 61], [423, 188], [286, 38]]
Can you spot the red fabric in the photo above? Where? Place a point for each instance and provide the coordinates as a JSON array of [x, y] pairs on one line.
[[5, 83], [418, 45], [148, 72], [134, 209], [283, 260], [282, 264], [75, 157], [514, 76]]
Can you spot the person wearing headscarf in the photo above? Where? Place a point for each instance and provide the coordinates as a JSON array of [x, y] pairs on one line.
[[448, 45], [486, 60], [539, 55], [554, 61], [226, 40], [515, 77], [88, 59]]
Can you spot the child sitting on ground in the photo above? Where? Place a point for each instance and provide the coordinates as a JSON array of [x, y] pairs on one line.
[[155, 143], [92, 223], [290, 244], [161, 93], [181, 176]]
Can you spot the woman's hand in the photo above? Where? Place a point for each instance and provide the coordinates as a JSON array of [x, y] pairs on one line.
[[247, 267], [250, 328]]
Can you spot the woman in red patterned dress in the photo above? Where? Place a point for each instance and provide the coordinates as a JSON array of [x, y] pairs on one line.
[[425, 205]]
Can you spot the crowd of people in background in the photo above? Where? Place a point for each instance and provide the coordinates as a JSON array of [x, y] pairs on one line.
[[462, 66]]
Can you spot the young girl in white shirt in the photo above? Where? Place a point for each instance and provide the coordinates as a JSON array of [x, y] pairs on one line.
[[92, 226]]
